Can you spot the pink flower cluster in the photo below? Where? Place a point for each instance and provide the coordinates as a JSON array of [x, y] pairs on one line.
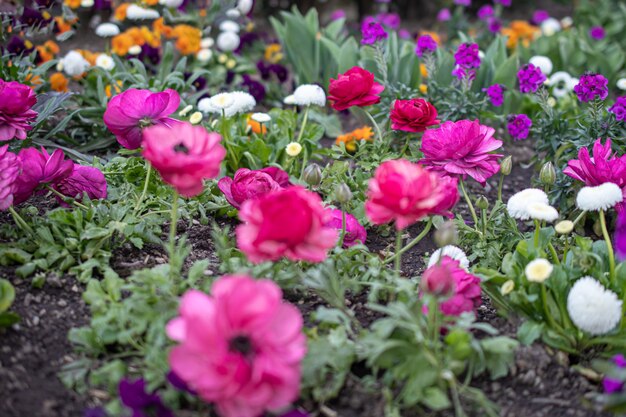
[[355, 232], [16, 113], [240, 347], [448, 278], [249, 184]]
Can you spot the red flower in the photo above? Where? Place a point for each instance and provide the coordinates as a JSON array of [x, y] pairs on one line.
[[413, 115], [356, 87]]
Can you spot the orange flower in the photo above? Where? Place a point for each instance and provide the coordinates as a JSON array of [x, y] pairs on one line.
[[72, 4], [120, 11], [117, 87], [423, 71], [121, 43], [58, 82], [187, 39], [89, 56], [433, 35], [519, 31], [160, 28], [256, 126], [62, 25], [151, 2], [151, 38], [423, 88], [273, 53], [47, 51], [350, 139], [137, 36], [33, 80]]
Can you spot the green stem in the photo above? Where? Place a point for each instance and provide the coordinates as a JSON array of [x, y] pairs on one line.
[[580, 216], [304, 120], [371, 118], [609, 247], [469, 203], [173, 224], [555, 256], [145, 185], [406, 146], [343, 228], [21, 223], [500, 184], [66, 198], [398, 254], [484, 219], [537, 229], [414, 242], [546, 311]]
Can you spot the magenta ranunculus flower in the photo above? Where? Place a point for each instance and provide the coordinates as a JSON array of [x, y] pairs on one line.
[[289, 223], [619, 108], [184, 155], [16, 113], [355, 232], [496, 94], [592, 87], [240, 347], [414, 115], [248, 184], [130, 112], [519, 126], [39, 169], [444, 15], [355, 87], [530, 78], [466, 293], [10, 166], [460, 149], [405, 193], [603, 167], [83, 179], [425, 45], [597, 33], [372, 32]]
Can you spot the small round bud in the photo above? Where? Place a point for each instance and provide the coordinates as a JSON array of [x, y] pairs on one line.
[[507, 287], [446, 234], [185, 111], [343, 193], [482, 202], [506, 166], [547, 175], [313, 175], [195, 118], [564, 227], [437, 280]]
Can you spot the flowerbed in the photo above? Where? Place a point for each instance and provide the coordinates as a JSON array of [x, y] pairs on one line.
[[203, 219]]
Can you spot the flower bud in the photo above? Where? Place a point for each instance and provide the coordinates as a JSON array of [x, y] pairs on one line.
[[343, 193], [547, 175], [564, 227], [506, 165], [437, 280], [446, 234], [313, 175], [507, 287], [195, 118], [482, 202]]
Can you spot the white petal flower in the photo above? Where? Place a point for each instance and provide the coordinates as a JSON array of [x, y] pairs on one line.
[[550, 26], [308, 94], [538, 270], [261, 117], [229, 26], [289, 100], [543, 62], [244, 102], [107, 30], [222, 101], [621, 84], [74, 64], [207, 43], [564, 227], [601, 197], [185, 111], [543, 212], [567, 22], [134, 50], [204, 55], [293, 149], [517, 206], [245, 6], [228, 41], [593, 308], [228, 103], [195, 118], [134, 12], [451, 251], [87, 3], [233, 13], [562, 83], [174, 4], [105, 61]]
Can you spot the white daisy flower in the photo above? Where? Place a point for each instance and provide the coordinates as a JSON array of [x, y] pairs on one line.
[[207, 43], [195, 118], [228, 103], [621, 84], [107, 30], [517, 206], [543, 62], [74, 64], [228, 41], [134, 50], [538, 270], [451, 251], [564, 227], [87, 3], [233, 13], [562, 83], [222, 101], [204, 55], [293, 149], [105, 61], [550, 26], [308, 94], [174, 4], [261, 117], [134, 12], [229, 26], [601, 197], [543, 212], [289, 100], [245, 6], [507, 287], [567, 22], [593, 308], [244, 102]]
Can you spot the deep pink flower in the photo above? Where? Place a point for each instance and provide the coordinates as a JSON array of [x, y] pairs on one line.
[[496, 94], [83, 179], [40, 169], [184, 155], [592, 87], [539, 16], [413, 115], [425, 45], [519, 126], [372, 32], [466, 295], [619, 108], [437, 280], [404, 192], [603, 167], [620, 235], [355, 232], [612, 385], [248, 184], [444, 15], [530, 78], [355, 87], [597, 33], [485, 11], [462, 148], [10, 166], [287, 223], [240, 347], [16, 101], [128, 113]]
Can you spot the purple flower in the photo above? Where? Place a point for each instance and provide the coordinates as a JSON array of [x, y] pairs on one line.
[[591, 87], [142, 404], [17, 46], [619, 108], [494, 25], [404, 34], [34, 18], [444, 15], [390, 20], [530, 78], [611, 385], [495, 94], [254, 87], [619, 360], [465, 3], [518, 126], [355, 233], [150, 54], [485, 12], [280, 71], [338, 14], [95, 412], [425, 44], [539, 16], [597, 33], [466, 59], [620, 250], [505, 3], [178, 383], [372, 32]]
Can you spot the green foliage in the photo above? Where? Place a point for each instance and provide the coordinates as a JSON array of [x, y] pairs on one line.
[[7, 295]]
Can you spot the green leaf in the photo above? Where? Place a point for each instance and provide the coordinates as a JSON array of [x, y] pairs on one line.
[[529, 331]]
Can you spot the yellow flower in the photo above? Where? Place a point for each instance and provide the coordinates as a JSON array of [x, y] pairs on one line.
[[188, 39], [538, 270], [231, 63], [423, 71], [120, 44], [293, 149], [195, 118], [423, 88], [273, 53], [117, 87], [507, 287], [257, 127]]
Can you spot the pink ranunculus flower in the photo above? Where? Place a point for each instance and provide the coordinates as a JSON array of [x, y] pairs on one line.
[[130, 112], [405, 192], [10, 166], [355, 232], [248, 184], [83, 179], [239, 347], [39, 169], [184, 155], [466, 290], [355, 87], [603, 167], [415, 115], [16, 113], [285, 223], [460, 149]]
